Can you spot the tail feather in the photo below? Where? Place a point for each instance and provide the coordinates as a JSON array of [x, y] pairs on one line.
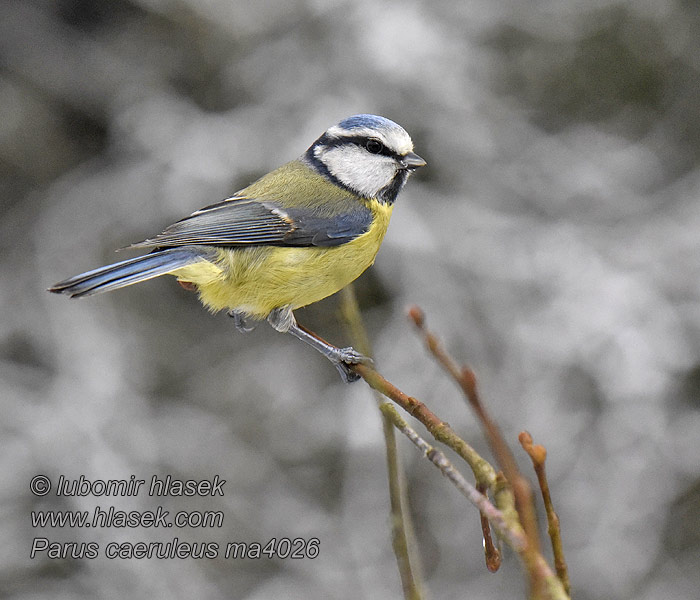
[[127, 272]]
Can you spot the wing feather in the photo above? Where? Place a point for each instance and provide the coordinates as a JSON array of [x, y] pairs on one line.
[[241, 221]]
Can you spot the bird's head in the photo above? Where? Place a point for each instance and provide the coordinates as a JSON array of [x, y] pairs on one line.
[[367, 154]]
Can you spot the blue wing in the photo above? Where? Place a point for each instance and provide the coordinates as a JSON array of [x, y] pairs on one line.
[[251, 222]]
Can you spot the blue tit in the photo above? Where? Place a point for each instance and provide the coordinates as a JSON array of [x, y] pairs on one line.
[[296, 235]]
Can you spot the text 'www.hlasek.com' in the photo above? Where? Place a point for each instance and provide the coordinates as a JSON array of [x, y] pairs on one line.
[[105, 515]]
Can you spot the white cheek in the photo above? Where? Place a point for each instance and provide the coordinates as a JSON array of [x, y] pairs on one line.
[[363, 172]]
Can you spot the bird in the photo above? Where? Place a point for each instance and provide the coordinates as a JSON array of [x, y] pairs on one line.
[[291, 238]]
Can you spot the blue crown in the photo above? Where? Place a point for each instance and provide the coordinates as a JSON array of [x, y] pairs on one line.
[[367, 121]]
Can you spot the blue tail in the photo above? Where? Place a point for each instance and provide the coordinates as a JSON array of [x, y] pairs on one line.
[[129, 271]]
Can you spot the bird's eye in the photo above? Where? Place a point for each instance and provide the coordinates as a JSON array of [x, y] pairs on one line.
[[374, 146]]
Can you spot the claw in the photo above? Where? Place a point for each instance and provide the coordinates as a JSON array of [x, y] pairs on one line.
[[344, 357], [346, 373], [352, 356], [240, 321]]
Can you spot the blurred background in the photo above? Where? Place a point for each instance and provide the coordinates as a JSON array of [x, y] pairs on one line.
[[553, 242]]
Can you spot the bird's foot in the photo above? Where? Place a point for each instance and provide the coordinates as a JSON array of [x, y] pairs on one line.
[[344, 358], [282, 319], [241, 323]]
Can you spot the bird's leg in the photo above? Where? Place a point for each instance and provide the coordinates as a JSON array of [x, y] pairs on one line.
[[282, 320], [240, 321]]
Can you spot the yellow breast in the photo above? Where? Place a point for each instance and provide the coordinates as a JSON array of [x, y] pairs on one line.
[[259, 279]]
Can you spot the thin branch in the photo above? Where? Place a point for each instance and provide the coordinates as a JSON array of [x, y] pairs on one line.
[[492, 555], [465, 378], [544, 584], [440, 430], [538, 455], [513, 536], [506, 526], [402, 534]]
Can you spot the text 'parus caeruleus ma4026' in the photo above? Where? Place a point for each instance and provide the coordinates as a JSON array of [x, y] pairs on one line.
[[296, 235]]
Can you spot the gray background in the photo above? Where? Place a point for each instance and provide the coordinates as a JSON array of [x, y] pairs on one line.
[[553, 241]]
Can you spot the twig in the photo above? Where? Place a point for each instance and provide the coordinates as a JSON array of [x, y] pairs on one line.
[[440, 430], [466, 380], [492, 555], [402, 533], [514, 536], [544, 584], [538, 455], [506, 526], [550, 586]]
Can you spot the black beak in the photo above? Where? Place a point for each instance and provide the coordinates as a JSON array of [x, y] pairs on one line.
[[412, 161]]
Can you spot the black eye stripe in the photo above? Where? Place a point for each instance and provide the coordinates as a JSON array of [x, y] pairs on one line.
[[357, 141]]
